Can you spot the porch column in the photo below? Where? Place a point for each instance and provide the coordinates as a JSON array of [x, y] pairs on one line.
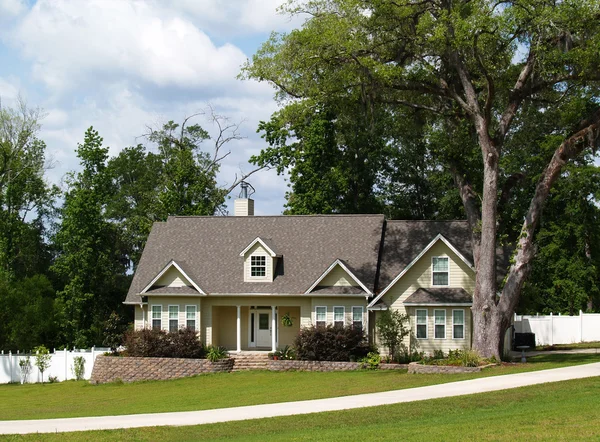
[[273, 330], [239, 329]]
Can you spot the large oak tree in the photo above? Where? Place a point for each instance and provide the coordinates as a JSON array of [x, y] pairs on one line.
[[475, 67]]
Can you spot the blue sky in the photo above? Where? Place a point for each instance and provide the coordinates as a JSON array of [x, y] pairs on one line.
[[120, 65]]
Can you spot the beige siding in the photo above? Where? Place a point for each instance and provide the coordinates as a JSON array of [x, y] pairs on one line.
[[338, 277], [448, 343], [172, 278], [258, 250], [287, 335], [138, 317], [420, 275]]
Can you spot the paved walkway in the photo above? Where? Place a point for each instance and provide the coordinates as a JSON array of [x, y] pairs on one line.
[[480, 385]]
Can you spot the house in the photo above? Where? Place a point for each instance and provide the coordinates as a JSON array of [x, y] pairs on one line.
[[251, 282]]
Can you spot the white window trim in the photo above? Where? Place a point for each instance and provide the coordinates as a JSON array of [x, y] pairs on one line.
[[195, 316], [268, 268], [445, 323], [448, 271], [463, 324], [169, 316], [426, 323], [159, 316], [362, 315], [343, 314], [316, 316]]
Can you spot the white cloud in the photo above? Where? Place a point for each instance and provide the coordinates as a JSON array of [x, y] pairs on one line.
[[9, 90], [237, 17], [73, 43], [11, 8]]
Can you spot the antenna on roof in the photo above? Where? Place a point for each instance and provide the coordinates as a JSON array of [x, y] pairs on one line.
[[244, 193]]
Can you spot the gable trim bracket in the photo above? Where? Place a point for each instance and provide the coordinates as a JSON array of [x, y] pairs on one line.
[[439, 237], [347, 270], [262, 243], [172, 263]]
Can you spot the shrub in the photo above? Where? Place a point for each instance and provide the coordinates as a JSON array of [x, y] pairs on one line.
[[438, 354], [216, 353], [147, 342], [53, 379], [331, 343], [392, 330], [372, 361], [25, 369], [286, 353], [78, 367], [43, 358], [405, 356]]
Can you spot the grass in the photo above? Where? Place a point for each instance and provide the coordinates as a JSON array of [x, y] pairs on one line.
[[557, 411], [580, 345], [75, 399]]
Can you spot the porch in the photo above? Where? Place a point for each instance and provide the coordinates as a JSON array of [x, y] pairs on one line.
[[254, 328]]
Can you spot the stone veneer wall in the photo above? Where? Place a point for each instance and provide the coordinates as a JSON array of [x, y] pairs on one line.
[[415, 367], [293, 365], [130, 369]]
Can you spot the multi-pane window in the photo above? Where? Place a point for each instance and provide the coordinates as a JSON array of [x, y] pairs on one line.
[[421, 324], [156, 316], [321, 316], [173, 318], [190, 317], [458, 324], [338, 316], [258, 266], [440, 324], [440, 270], [357, 317]]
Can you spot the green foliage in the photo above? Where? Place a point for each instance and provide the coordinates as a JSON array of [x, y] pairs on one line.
[[43, 358], [78, 367], [216, 353], [286, 320], [25, 368], [392, 329], [331, 343], [371, 361], [114, 328], [286, 353], [183, 343]]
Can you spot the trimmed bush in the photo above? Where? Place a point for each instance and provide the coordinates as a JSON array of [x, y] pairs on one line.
[[331, 343], [147, 342]]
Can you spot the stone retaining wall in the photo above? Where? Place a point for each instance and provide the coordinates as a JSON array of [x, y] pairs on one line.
[[287, 365], [130, 369], [415, 367]]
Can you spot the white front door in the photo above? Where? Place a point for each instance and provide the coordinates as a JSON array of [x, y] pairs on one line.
[[263, 334]]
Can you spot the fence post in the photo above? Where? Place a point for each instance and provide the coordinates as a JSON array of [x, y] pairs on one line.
[[93, 359], [580, 326], [66, 365], [10, 362], [551, 329]]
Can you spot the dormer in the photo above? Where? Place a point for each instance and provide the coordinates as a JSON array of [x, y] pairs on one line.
[[260, 260]]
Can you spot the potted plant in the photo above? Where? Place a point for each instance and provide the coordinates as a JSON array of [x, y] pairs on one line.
[[286, 320]]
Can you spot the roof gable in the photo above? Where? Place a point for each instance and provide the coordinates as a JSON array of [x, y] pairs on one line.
[[439, 237], [178, 268], [338, 264], [266, 244]]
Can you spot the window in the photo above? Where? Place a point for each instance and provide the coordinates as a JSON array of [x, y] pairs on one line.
[[190, 317], [440, 270], [321, 316], [156, 316], [258, 266], [421, 324], [173, 318], [458, 324], [338, 316], [357, 317], [440, 324]]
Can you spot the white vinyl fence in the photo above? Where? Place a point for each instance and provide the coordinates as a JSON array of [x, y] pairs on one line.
[[61, 365], [556, 329]]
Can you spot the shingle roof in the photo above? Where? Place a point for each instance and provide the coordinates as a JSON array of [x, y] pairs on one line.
[[172, 291], [210, 247], [338, 290], [404, 240], [439, 295]]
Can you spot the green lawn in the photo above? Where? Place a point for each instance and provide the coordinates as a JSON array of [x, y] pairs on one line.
[[72, 399], [557, 411], [580, 345]]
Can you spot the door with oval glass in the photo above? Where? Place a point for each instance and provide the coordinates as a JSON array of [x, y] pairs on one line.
[[263, 334]]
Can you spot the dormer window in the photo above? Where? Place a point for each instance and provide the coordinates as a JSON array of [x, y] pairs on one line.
[[258, 266], [439, 270]]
